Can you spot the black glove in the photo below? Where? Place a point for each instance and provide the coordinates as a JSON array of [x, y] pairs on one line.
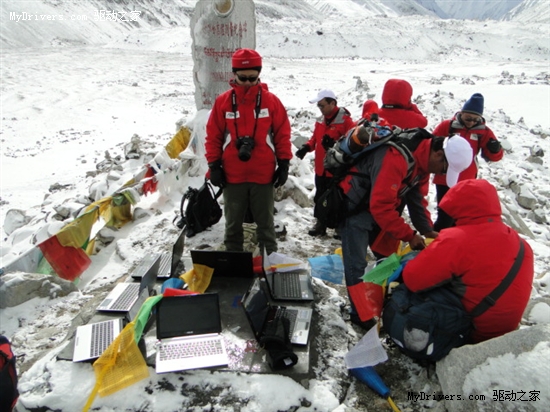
[[302, 151], [493, 146], [276, 342], [281, 174], [327, 142], [217, 175]]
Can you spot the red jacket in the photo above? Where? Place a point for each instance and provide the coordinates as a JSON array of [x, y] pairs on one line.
[[339, 122], [271, 139], [473, 257], [379, 192], [477, 136], [397, 107]]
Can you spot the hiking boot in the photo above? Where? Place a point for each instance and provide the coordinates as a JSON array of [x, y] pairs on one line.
[[318, 230]]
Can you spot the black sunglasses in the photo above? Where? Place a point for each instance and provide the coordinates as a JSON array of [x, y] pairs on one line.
[[250, 79]]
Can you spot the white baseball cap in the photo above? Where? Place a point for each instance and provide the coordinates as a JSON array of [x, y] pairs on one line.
[[459, 155], [323, 94]]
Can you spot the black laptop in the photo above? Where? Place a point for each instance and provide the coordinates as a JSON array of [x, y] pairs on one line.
[[226, 264]]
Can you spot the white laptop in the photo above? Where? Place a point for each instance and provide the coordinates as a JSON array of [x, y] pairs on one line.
[[91, 340], [259, 312], [166, 263], [126, 295], [189, 333]]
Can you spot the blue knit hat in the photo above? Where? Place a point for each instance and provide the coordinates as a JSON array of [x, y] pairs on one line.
[[474, 104]]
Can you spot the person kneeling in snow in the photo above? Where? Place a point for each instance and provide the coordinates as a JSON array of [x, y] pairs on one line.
[[474, 257]]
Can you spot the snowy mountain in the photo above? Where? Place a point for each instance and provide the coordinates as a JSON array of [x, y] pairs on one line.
[[62, 22], [530, 11], [470, 9]]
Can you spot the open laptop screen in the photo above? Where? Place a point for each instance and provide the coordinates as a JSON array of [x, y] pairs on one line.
[[256, 306], [188, 315]]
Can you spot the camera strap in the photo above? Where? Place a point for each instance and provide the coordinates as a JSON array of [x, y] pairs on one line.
[[257, 109]]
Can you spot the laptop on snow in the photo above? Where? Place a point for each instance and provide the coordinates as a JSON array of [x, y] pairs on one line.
[[291, 285], [259, 312], [166, 263], [229, 264], [128, 296], [189, 333], [91, 340]]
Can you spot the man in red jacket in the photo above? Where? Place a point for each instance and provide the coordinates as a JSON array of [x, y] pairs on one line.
[[248, 150], [333, 123], [470, 124], [397, 107], [474, 257], [376, 194]]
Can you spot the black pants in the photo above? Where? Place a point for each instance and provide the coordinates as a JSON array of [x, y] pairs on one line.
[[443, 219], [321, 185]]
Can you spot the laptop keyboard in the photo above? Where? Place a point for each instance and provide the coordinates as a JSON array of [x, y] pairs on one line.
[[290, 285], [165, 263], [194, 349], [291, 315], [102, 336], [124, 300], [148, 261]]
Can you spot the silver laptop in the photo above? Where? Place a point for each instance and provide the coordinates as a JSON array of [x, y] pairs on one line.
[[91, 340], [189, 333], [229, 264], [259, 312], [292, 285], [166, 263], [128, 295]]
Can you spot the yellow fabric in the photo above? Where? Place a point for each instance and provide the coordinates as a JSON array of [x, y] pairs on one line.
[[77, 232], [90, 247], [405, 248], [178, 143], [114, 216], [120, 366], [198, 278]]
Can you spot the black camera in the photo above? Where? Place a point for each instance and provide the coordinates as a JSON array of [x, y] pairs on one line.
[[245, 145]]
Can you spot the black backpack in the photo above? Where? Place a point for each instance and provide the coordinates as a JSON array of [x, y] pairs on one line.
[[330, 208], [426, 326], [8, 376], [199, 209]]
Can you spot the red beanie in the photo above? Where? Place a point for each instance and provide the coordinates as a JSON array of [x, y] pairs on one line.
[[244, 59]]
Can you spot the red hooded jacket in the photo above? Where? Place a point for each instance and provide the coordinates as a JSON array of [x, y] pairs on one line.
[[478, 137], [397, 107], [473, 257], [339, 122], [271, 138]]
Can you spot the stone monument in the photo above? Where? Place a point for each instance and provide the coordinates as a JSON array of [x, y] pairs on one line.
[[218, 28]]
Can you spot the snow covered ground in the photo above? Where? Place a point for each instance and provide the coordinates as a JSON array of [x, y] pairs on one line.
[[64, 106]]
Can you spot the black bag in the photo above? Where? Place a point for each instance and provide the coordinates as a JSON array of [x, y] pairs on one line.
[[426, 326], [199, 209], [8, 376], [276, 342], [330, 208]]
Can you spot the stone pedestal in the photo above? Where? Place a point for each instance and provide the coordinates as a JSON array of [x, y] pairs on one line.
[[218, 28]]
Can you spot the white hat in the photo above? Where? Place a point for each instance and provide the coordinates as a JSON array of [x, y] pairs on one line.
[[459, 156], [322, 95]]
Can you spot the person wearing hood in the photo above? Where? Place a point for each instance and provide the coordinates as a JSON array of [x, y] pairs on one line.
[[248, 151], [397, 107], [377, 189], [470, 124], [333, 123], [474, 257]]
